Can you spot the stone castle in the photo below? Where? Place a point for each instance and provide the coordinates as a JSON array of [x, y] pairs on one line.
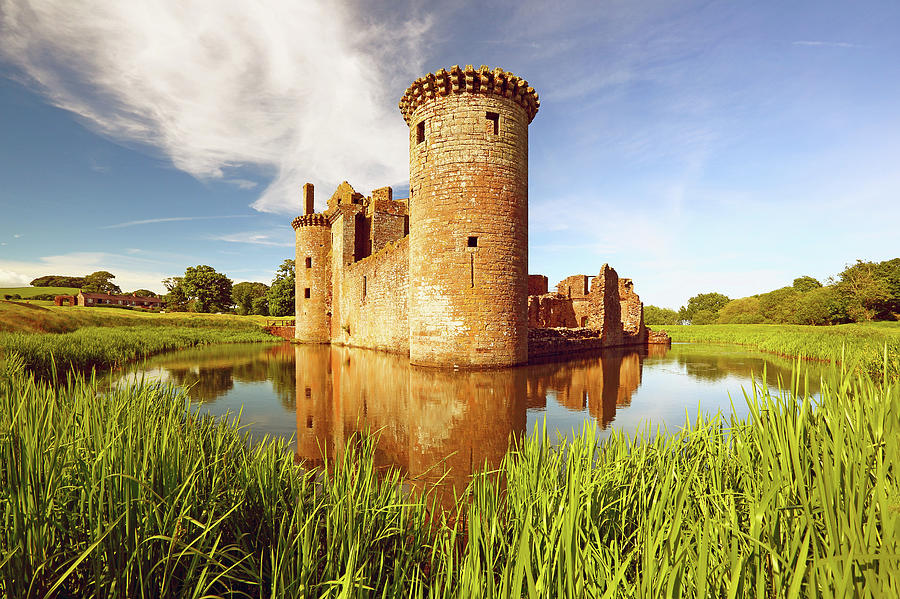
[[443, 275]]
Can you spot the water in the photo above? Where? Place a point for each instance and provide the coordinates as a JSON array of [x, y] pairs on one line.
[[434, 423]]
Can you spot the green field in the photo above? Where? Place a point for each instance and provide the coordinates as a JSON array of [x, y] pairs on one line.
[[26, 292], [860, 345], [131, 493], [84, 338]]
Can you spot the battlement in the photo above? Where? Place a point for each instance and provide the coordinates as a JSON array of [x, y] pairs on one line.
[[310, 220], [470, 80]]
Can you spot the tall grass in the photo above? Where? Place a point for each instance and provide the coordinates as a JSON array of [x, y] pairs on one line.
[[133, 495], [861, 345], [105, 347]]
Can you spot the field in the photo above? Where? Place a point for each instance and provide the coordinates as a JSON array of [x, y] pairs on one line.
[[134, 494], [84, 338], [868, 347], [26, 292]]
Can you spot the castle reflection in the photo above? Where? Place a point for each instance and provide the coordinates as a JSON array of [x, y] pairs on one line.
[[442, 424]]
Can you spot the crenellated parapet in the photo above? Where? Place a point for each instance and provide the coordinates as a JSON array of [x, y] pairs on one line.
[[469, 80], [310, 220]]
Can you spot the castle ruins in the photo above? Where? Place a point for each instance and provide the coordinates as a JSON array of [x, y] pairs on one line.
[[442, 276]]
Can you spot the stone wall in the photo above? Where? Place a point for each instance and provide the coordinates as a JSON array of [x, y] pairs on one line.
[[373, 307], [632, 313], [537, 285], [605, 311], [468, 225], [550, 310], [312, 267]]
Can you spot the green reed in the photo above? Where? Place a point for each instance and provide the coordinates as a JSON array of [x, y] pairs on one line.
[[860, 345], [131, 494], [105, 347]]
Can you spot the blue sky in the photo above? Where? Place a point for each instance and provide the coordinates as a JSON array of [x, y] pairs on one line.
[[694, 146]]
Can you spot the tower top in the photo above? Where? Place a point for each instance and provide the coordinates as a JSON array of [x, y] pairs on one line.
[[458, 80]]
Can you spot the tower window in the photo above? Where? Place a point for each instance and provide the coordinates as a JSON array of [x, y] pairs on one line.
[[420, 132], [364, 286], [494, 122], [473, 242], [306, 293], [308, 262], [308, 392]]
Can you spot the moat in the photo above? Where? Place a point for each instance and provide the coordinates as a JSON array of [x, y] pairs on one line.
[[432, 420]]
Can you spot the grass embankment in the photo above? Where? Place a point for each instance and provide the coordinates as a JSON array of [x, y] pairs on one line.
[[132, 495], [860, 345], [26, 292], [85, 338]]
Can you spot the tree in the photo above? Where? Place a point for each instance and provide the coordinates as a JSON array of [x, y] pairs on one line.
[[244, 293], [176, 299], [144, 293], [744, 310], [865, 290], [708, 303], [654, 315], [58, 281], [806, 283], [260, 306], [281, 293], [100, 282], [206, 290]]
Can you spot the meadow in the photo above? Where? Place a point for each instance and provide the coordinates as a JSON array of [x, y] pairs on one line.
[[26, 292], [132, 493], [861, 346], [86, 338]]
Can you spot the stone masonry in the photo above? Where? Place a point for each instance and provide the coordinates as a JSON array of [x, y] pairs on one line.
[[442, 276]]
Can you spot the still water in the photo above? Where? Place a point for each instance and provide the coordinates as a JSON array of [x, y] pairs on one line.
[[444, 422]]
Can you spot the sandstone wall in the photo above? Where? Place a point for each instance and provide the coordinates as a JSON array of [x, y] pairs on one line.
[[537, 285], [312, 267], [605, 311], [373, 307], [632, 313], [468, 230], [550, 310]]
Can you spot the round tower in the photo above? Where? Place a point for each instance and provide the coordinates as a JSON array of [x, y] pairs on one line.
[[468, 225], [312, 268]]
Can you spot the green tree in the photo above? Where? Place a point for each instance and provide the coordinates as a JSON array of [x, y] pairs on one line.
[[654, 315], [100, 282], [206, 289], [176, 299], [865, 289], [281, 293], [744, 310], [260, 306], [806, 283], [244, 293], [144, 293], [777, 307], [708, 303]]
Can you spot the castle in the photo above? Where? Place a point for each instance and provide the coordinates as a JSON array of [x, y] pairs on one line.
[[443, 275]]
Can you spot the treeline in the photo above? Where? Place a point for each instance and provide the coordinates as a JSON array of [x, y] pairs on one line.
[[58, 281], [862, 292]]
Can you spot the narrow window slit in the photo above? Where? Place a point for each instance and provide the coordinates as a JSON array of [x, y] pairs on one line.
[[420, 132], [494, 118], [308, 262], [471, 270], [306, 293]]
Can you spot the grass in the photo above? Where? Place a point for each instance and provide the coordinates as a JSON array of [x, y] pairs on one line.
[[131, 494], [85, 338], [861, 345], [26, 292]]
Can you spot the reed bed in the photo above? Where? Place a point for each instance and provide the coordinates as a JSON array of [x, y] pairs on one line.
[[860, 345], [131, 494], [107, 347]]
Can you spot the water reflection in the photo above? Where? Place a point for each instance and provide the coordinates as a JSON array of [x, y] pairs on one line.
[[442, 423]]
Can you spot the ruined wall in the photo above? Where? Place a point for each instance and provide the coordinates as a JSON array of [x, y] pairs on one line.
[[312, 267], [550, 310], [372, 295], [632, 312], [605, 310], [537, 285], [468, 158]]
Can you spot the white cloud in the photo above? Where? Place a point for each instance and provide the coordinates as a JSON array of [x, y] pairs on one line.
[[256, 238], [827, 44], [304, 89], [169, 219], [131, 272]]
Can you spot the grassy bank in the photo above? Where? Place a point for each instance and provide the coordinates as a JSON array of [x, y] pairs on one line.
[[133, 495], [85, 338], [26, 292], [860, 345]]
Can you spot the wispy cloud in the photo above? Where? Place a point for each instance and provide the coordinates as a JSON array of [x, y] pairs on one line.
[[242, 183], [255, 238], [305, 89], [171, 219], [824, 43]]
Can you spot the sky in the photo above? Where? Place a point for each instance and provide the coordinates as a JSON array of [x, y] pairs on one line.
[[695, 146]]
